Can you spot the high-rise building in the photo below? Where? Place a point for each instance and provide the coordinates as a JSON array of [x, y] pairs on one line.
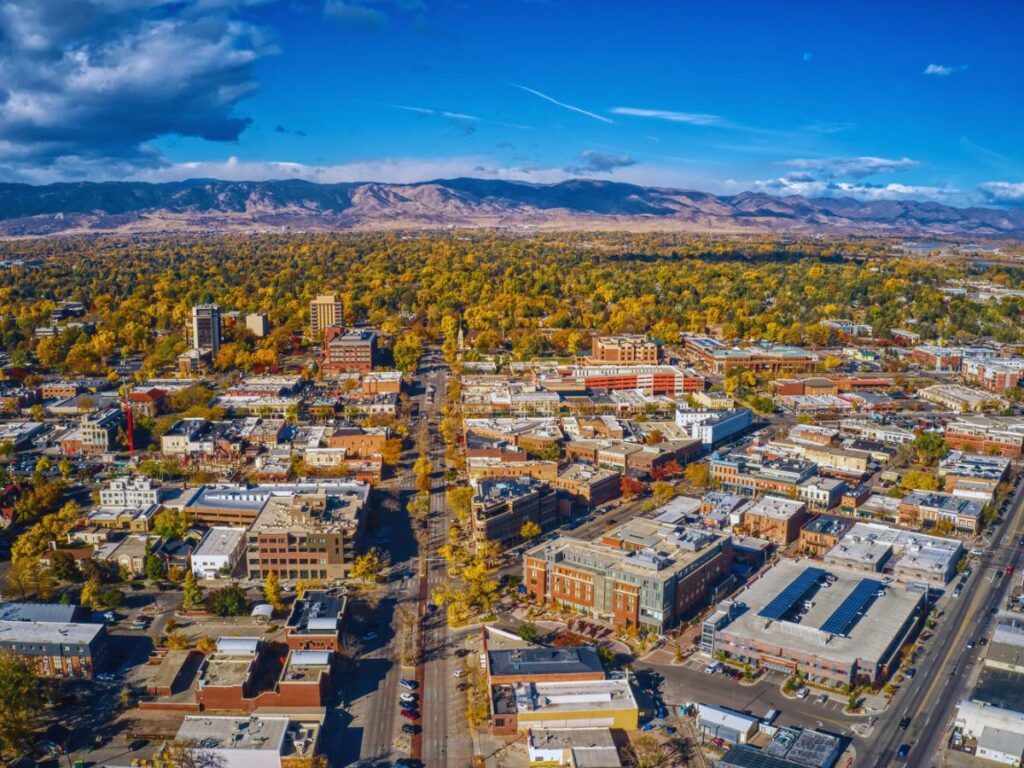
[[206, 327], [325, 310]]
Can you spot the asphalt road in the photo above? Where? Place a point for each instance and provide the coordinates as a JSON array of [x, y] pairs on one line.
[[945, 670]]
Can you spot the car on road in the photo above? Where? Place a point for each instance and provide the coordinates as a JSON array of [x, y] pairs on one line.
[[911, 672], [410, 714], [803, 692], [970, 644], [408, 696], [410, 685], [958, 591], [905, 723], [823, 699], [902, 752]]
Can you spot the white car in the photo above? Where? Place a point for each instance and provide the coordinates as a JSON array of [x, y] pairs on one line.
[[802, 693], [458, 673], [408, 696]]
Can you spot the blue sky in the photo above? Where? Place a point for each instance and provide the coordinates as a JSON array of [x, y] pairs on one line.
[[871, 100]]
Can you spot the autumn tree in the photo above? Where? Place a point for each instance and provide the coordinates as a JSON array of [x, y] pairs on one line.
[[370, 566], [272, 591], [192, 593], [22, 703], [529, 531]]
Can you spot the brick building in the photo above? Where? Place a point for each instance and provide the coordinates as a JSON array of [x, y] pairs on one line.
[[500, 508], [627, 348], [641, 574]]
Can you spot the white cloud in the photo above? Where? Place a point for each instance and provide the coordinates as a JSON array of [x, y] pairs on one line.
[[562, 104], [807, 186], [1002, 192], [944, 70], [850, 167], [690, 118]]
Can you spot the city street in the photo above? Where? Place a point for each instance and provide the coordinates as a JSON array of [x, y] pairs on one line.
[[946, 667]]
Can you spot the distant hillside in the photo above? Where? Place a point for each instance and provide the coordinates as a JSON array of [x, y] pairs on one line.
[[211, 205]]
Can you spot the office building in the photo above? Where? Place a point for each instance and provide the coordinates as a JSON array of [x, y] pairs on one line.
[[835, 626], [914, 558], [644, 573], [987, 435], [53, 639], [351, 351], [206, 327]]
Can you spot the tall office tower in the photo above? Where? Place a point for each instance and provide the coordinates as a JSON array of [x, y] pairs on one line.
[[325, 310], [206, 327]]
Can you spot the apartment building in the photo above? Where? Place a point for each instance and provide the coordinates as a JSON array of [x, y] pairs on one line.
[[644, 573], [137, 492], [53, 639], [994, 375], [500, 508], [988, 435], [257, 324], [630, 349], [324, 311], [713, 427]]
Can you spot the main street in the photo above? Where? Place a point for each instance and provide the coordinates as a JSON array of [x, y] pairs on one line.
[[945, 669]]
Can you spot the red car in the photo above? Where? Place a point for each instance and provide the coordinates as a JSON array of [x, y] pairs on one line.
[[410, 714]]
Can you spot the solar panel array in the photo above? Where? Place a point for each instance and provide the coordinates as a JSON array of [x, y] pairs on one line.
[[780, 605], [846, 614]]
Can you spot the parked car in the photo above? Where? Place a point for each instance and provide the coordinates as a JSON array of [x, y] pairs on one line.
[[458, 673], [407, 705], [410, 714], [802, 693], [823, 699], [410, 729], [369, 636], [713, 668], [410, 685], [408, 696], [911, 672]]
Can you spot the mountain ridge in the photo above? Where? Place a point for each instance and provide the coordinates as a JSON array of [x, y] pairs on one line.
[[293, 204]]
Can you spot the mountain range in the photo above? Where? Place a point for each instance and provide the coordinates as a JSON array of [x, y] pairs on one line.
[[209, 205]]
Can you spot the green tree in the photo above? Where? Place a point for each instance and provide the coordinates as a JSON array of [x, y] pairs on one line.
[[528, 631], [154, 566], [64, 567], [228, 601], [930, 447]]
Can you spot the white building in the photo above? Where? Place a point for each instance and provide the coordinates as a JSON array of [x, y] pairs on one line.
[[219, 552], [134, 492], [999, 732], [714, 427]]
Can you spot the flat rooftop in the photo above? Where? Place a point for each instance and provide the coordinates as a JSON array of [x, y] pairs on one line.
[[553, 699], [775, 507], [544, 661], [225, 671], [34, 632], [317, 612], [572, 738], [234, 733], [219, 542], [867, 636]]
